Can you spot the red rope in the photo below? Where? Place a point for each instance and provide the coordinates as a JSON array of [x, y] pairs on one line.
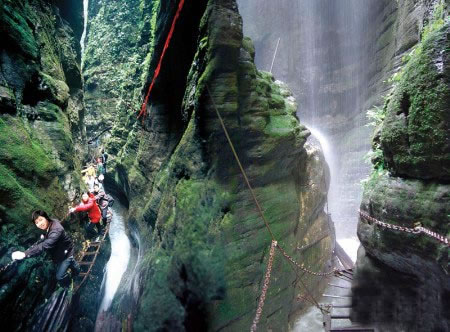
[[158, 67]]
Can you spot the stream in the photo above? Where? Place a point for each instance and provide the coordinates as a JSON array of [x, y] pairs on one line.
[[120, 256]]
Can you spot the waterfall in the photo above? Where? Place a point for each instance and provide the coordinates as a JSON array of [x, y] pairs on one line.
[[120, 255], [83, 36], [324, 58]]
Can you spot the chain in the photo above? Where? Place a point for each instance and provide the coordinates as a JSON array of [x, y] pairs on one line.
[[266, 223], [319, 274], [434, 235], [265, 287], [415, 230]]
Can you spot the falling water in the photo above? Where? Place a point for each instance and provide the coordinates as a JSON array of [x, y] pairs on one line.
[[324, 56], [120, 255], [83, 36]]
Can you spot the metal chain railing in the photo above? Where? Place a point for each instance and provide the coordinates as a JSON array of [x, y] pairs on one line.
[[266, 223], [319, 274], [415, 230], [265, 287]]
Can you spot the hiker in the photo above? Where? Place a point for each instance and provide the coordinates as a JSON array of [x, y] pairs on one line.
[[100, 168], [103, 201], [99, 181], [90, 182], [89, 170], [104, 157], [56, 242], [89, 205]]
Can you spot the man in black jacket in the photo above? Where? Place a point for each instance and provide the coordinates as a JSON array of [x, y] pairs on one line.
[[56, 243]]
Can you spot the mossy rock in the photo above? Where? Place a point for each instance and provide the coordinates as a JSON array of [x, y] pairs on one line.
[[23, 154], [57, 90], [428, 204], [416, 130], [48, 112], [16, 29]]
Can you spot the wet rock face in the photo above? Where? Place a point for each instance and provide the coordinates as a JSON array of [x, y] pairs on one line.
[[410, 186], [205, 247], [400, 301], [40, 108], [203, 185], [415, 134]]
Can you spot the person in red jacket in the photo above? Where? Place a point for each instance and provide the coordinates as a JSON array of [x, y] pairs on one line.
[[89, 205]]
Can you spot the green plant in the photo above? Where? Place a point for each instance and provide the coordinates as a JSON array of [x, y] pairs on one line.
[[376, 158], [376, 116], [436, 21]]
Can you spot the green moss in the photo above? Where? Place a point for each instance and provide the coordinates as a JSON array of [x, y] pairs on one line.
[[58, 89], [19, 199], [20, 152], [247, 44], [436, 21], [16, 30], [27, 175], [415, 130], [194, 256], [427, 204], [280, 125], [48, 111]]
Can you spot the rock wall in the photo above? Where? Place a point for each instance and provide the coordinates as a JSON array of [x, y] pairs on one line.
[[41, 112], [208, 245], [117, 42], [325, 54], [204, 247], [410, 182]]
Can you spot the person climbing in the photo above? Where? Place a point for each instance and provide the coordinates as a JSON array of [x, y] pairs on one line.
[[104, 157], [89, 170], [89, 205], [100, 168], [90, 182], [103, 201], [57, 243], [99, 181]]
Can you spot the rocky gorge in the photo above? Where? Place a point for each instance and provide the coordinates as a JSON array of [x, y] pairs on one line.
[[199, 248], [204, 248], [397, 65]]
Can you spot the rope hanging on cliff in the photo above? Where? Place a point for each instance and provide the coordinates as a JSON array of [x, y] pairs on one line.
[[261, 213], [415, 230], [158, 67], [244, 174], [266, 223]]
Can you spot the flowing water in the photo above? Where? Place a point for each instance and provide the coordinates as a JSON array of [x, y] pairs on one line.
[[83, 36], [120, 255], [349, 242], [324, 55]]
